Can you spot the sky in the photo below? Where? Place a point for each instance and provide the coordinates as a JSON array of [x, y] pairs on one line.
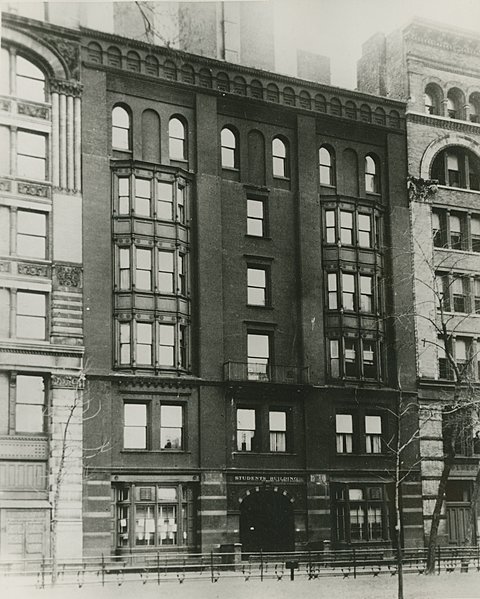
[[337, 28]]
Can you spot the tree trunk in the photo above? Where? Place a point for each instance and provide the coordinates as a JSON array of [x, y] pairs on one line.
[[398, 522], [437, 512]]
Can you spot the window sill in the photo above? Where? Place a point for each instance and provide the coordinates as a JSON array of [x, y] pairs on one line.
[[155, 451], [259, 306], [266, 237], [475, 191], [264, 453]]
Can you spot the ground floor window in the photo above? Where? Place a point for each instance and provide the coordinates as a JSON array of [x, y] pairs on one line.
[[361, 513], [150, 515]]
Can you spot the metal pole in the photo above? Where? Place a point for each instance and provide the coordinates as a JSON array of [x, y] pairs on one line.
[[211, 566], [354, 563], [103, 570]]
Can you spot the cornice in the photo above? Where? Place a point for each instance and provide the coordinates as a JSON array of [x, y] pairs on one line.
[[16, 21], [443, 123], [233, 69], [453, 40], [45, 350]]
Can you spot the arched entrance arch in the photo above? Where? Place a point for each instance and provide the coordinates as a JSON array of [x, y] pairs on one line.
[[267, 521]]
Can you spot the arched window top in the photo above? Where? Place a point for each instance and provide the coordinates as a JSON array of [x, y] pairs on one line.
[[256, 89], [223, 82], [433, 98], [457, 166], [177, 137], [288, 96], [240, 86], [205, 78], [133, 61], [188, 74], [320, 103], [30, 80], [371, 174], [279, 147], [95, 52], [305, 100], [394, 119], [151, 66], [120, 128], [455, 103], [273, 94], [280, 158], [114, 56], [335, 107], [380, 116], [365, 113], [350, 109], [170, 70], [229, 148], [326, 165]]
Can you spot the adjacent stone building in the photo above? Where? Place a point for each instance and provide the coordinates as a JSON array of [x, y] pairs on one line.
[[41, 297], [436, 69]]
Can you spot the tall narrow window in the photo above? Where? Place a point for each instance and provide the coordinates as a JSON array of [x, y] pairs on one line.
[[165, 272], [456, 229], [30, 404], [166, 345], [181, 204], [371, 175], [429, 106], [330, 226], [143, 197], [476, 297], [373, 434], [31, 234], [344, 433], [30, 81], [134, 426], [326, 167], [278, 430], [366, 294], [125, 351], [246, 426], [258, 356], [348, 291], [257, 286], [176, 139], [144, 343], [332, 290], [182, 345], [120, 128], [369, 359], [164, 200], [181, 275], [124, 268], [334, 358], [256, 218], [31, 155], [453, 170], [459, 294], [364, 230], [279, 158], [346, 227], [31, 315], [229, 148], [123, 195], [143, 269], [475, 232], [351, 368], [171, 427]]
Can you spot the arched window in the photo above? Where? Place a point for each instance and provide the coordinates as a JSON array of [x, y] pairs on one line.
[[279, 158], [30, 81], [256, 89], [433, 99], [455, 103], [371, 175], [474, 107], [120, 128], [151, 66], [176, 139], [457, 167], [228, 141], [350, 110], [326, 166]]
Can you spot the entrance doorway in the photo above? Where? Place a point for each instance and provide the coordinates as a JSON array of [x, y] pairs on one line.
[[458, 496], [266, 522]]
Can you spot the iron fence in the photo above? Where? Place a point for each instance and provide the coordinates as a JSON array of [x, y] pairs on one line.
[[159, 568]]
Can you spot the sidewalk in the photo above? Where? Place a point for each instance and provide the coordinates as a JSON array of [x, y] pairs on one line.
[[445, 586]]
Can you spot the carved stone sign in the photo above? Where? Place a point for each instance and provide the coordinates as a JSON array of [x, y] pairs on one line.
[[267, 478], [68, 276]]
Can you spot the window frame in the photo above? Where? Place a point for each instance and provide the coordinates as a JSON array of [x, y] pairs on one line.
[[33, 234], [44, 317], [229, 148], [266, 288], [281, 158], [251, 220], [22, 156], [121, 129], [183, 139], [326, 168], [15, 399]]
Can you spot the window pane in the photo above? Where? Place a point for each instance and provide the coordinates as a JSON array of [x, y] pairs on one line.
[[176, 149], [171, 416], [31, 144], [32, 304], [373, 425], [29, 419], [166, 356], [30, 81], [228, 158], [258, 345], [344, 423], [255, 208], [144, 332], [278, 421], [120, 117], [176, 129], [278, 148], [135, 414], [167, 333]]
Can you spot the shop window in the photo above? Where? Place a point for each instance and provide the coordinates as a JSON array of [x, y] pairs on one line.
[[246, 428], [257, 286], [134, 426], [31, 317], [153, 516], [31, 155], [177, 139], [326, 166], [121, 134], [171, 426], [457, 166], [373, 434], [362, 513], [344, 433], [31, 234], [280, 158], [229, 149], [258, 356], [371, 175], [278, 430], [30, 404], [256, 218]]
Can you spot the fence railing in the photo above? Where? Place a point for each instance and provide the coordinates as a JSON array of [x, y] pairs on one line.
[[158, 567]]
